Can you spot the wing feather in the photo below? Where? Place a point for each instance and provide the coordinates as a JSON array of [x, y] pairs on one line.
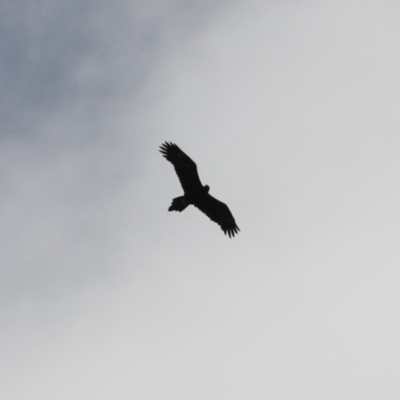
[[185, 167], [219, 213]]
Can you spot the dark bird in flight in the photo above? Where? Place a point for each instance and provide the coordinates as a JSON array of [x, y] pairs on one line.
[[194, 192]]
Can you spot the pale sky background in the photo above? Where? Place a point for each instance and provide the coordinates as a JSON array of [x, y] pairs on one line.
[[291, 111]]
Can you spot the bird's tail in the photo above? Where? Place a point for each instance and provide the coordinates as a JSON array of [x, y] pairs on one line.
[[178, 204]]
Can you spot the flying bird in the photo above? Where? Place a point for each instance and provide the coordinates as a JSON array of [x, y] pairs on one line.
[[194, 192]]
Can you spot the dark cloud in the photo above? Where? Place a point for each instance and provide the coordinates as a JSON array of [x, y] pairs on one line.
[[53, 54], [72, 74]]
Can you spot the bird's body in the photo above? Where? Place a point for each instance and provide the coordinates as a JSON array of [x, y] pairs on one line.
[[194, 192]]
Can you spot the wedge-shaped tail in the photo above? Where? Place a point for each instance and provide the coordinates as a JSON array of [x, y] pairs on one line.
[[178, 204]]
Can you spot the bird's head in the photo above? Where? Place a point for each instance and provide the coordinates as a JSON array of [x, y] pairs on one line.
[[206, 188]]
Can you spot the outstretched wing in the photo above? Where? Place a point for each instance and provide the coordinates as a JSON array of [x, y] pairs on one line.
[[185, 167], [219, 213]]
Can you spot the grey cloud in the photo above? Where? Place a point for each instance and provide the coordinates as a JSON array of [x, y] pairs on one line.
[[72, 76], [104, 294]]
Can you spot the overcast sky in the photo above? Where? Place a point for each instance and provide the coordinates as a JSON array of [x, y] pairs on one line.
[[290, 110]]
